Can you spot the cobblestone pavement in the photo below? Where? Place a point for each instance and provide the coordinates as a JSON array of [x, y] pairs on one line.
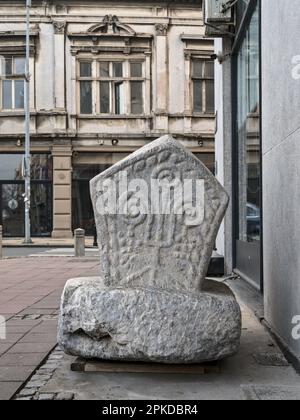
[[30, 290], [32, 390]]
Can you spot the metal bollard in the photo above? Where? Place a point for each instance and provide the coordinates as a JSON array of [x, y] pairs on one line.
[[1, 252], [79, 236]]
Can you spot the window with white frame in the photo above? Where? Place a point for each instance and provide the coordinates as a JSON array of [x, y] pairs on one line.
[[203, 86], [109, 87], [12, 82]]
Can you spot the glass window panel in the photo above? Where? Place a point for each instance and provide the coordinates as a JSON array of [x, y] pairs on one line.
[[7, 94], [253, 69], [248, 127], [119, 98], [209, 69], [85, 69], [104, 97], [86, 102], [197, 68], [118, 69], [41, 167], [19, 94], [19, 63], [136, 70], [210, 96], [10, 167], [8, 66], [241, 7], [41, 209], [137, 98], [89, 171], [198, 96], [2, 66], [104, 69], [12, 209]]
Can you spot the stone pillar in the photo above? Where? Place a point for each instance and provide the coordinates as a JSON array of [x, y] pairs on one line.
[[162, 77], [59, 65], [62, 189]]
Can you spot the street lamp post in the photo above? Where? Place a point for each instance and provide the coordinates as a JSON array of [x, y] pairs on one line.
[[27, 158]]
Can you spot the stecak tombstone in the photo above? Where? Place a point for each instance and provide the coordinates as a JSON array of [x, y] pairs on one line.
[[157, 214]]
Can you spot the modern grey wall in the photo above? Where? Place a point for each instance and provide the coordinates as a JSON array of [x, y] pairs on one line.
[[281, 165]]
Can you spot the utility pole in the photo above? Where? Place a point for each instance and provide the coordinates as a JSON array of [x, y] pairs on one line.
[[27, 158]]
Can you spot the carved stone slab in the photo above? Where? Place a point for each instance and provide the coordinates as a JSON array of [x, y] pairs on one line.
[[169, 251], [157, 214]]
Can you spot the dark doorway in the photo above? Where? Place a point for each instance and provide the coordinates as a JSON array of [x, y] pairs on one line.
[[82, 208]]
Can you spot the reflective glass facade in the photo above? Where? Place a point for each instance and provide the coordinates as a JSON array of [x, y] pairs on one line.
[[247, 143]]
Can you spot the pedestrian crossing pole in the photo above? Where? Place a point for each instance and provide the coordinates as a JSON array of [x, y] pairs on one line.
[[27, 158]]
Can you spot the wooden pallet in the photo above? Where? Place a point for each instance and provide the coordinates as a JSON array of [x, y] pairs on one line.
[[100, 366]]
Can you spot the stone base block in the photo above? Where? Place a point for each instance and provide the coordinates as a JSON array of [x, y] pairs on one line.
[[62, 234], [148, 325]]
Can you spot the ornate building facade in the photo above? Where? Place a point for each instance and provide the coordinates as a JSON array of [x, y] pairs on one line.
[[106, 79]]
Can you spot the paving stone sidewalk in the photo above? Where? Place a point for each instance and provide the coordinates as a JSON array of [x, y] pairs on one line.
[[30, 290], [46, 242], [258, 372]]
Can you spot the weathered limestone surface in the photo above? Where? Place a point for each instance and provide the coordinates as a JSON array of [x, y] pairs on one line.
[[164, 251], [151, 301], [147, 324]]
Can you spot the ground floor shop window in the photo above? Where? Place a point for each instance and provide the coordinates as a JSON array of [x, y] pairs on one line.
[[11, 195]]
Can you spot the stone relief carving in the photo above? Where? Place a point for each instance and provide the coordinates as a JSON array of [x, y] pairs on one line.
[[151, 301], [152, 241]]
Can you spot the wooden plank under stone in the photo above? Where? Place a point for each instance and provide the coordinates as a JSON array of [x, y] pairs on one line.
[[100, 366]]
